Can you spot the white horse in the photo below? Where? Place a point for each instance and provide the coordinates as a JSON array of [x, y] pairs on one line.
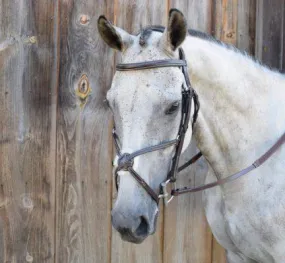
[[242, 115]]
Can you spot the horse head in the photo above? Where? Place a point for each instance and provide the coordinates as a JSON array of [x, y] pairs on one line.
[[146, 106]]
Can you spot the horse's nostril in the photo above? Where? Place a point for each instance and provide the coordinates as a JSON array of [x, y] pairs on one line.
[[143, 227]]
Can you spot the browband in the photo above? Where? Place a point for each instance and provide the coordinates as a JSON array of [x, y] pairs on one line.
[[151, 64]]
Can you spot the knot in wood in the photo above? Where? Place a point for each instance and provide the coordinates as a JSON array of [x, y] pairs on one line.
[[84, 19], [29, 258], [27, 202], [83, 89], [33, 39], [230, 34]]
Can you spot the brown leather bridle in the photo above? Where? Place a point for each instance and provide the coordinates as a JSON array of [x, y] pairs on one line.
[[126, 160]]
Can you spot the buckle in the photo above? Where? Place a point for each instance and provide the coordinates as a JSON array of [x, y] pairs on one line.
[[167, 197]]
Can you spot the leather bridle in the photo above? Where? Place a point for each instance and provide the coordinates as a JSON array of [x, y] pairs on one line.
[[126, 160]]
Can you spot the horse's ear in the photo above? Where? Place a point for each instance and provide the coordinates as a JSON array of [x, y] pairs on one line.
[[176, 30], [114, 37]]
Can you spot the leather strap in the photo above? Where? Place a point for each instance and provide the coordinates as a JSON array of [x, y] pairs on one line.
[[151, 64], [191, 161], [145, 150], [144, 185], [152, 148], [126, 162], [116, 142], [187, 95], [270, 152], [235, 176], [141, 181], [186, 106]]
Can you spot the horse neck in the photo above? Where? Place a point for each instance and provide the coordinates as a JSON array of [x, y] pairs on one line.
[[242, 112]]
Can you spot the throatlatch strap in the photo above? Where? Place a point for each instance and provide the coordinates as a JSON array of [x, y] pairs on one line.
[[191, 161]]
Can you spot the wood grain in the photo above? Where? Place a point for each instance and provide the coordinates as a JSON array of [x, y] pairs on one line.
[[197, 13], [133, 15], [269, 33], [234, 23], [84, 145], [246, 22], [224, 25], [28, 75], [218, 253]]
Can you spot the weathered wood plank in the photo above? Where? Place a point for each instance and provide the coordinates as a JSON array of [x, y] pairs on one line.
[[84, 145], [246, 22], [28, 76], [269, 32], [218, 253], [132, 16], [225, 22], [197, 13], [234, 23]]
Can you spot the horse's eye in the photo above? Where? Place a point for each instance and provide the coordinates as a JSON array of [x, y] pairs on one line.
[[173, 108]]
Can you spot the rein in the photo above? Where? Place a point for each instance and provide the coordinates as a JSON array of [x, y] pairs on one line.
[[126, 160], [256, 164]]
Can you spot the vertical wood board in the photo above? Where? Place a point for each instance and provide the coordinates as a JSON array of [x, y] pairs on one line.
[[269, 32], [28, 75], [246, 21], [84, 145]]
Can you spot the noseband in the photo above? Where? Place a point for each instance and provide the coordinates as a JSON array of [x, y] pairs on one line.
[[126, 160]]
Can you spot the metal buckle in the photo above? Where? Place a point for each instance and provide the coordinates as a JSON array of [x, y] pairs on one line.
[[167, 197]]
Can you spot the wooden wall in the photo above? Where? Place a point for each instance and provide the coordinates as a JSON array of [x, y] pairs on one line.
[[56, 189]]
